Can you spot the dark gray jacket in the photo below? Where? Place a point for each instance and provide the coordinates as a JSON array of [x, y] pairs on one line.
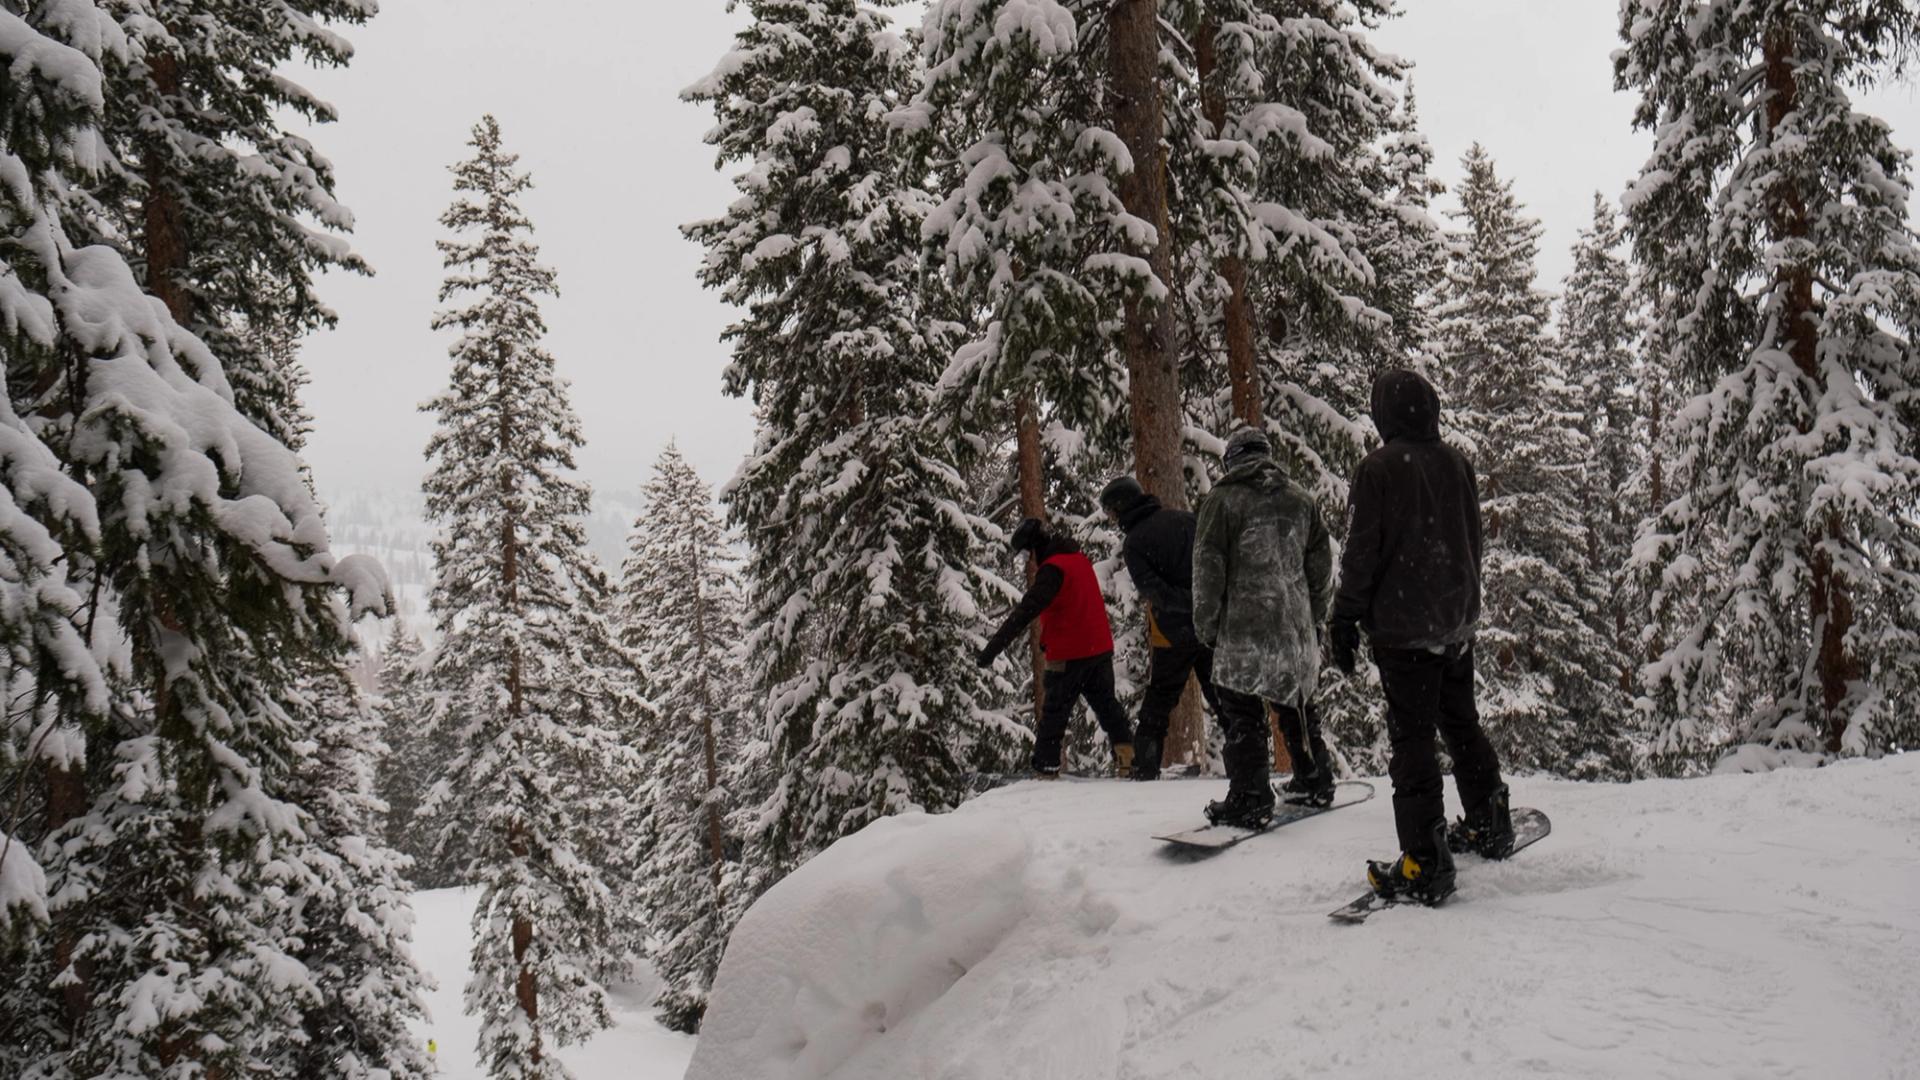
[[1262, 580]]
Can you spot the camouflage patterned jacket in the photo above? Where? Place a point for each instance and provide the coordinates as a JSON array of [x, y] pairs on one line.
[[1262, 581]]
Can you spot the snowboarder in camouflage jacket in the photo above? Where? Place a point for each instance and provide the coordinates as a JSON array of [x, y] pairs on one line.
[[1262, 583]]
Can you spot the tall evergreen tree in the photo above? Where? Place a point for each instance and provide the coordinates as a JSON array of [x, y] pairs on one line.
[[1772, 219], [1546, 662], [865, 568], [412, 763], [526, 706], [1029, 231], [172, 582], [680, 615], [226, 215], [356, 931], [1599, 339]]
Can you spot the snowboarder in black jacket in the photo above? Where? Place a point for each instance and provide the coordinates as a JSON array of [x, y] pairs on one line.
[[1078, 642], [1410, 578], [1158, 551]]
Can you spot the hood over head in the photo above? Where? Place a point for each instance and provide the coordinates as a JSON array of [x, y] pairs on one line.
[[1405, 406]]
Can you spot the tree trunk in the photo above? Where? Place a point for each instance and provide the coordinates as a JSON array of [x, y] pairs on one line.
[[1033, 504], [527, 985], [1153, 371], [166, 240], [1154, 393], [66, 803], [1830, 601], [1242, 370], [716, 834]]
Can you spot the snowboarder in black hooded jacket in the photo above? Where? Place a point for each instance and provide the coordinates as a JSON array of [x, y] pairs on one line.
[[1158, 551], [1410, 578]]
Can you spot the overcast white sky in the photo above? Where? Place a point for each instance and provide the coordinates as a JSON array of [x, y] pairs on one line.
[[587, 92]]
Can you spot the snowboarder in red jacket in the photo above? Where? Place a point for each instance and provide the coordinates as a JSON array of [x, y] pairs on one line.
[[1077, 640]]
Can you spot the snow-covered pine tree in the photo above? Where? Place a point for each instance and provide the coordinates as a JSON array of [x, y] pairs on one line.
[[226, 215], [865, 573], [1548, 669], [1772, 219], [1029, 231], [680, 614], [412, 763], [162, 734], [1599, 328], [356, 929], [531, 706]]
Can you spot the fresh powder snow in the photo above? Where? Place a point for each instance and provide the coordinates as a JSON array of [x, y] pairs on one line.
[[1756, 925], [636, 1048]]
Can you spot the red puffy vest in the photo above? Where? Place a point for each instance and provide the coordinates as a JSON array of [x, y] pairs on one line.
[[1075, 626]]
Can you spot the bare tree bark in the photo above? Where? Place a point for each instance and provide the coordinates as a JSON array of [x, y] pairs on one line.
[[166, 239], [1153, 370], [1242, 370], [716, 834], [1830, 601], [1033, 504]]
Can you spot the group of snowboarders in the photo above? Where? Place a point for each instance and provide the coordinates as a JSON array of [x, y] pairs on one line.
[[1241, 598]]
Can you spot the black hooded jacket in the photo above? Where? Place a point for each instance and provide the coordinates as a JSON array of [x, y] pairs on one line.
[[1410, 573], [1159, 554]]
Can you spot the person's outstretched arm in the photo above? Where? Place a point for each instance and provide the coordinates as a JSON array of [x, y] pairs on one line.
[[1045, 587]]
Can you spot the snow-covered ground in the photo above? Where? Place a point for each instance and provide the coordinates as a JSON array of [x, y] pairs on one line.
[[1737, 926], [637, 1048]]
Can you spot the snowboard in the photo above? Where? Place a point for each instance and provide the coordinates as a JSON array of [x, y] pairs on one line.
[[1529, 827], [1222, 837]]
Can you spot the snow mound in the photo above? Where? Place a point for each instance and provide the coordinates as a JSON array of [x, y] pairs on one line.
[[1747, 925]]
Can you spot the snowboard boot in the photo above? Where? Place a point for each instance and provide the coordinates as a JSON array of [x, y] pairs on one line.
[[1122, 760], [1146, 758], [1425, 879], [1242, 810], [1046, 772], [1309, 789], [1486, 830]]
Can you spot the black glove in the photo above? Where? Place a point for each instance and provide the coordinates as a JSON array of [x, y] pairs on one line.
[[1345, 638]]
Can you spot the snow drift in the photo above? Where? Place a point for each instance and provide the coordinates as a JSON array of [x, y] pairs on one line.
[[1758, 925]]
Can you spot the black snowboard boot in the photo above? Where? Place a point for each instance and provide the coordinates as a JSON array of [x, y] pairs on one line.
[[1309, 788], [1242, 810], [1487, 830], [1425, 879], [1146, 758]]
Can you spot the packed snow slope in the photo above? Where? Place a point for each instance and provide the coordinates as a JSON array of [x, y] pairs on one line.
[[1738, 926]]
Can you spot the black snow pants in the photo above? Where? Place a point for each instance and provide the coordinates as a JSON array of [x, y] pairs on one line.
[[1430, 692], [1167, 671], [1065, 684], [1300, 730], [1243, 719]]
